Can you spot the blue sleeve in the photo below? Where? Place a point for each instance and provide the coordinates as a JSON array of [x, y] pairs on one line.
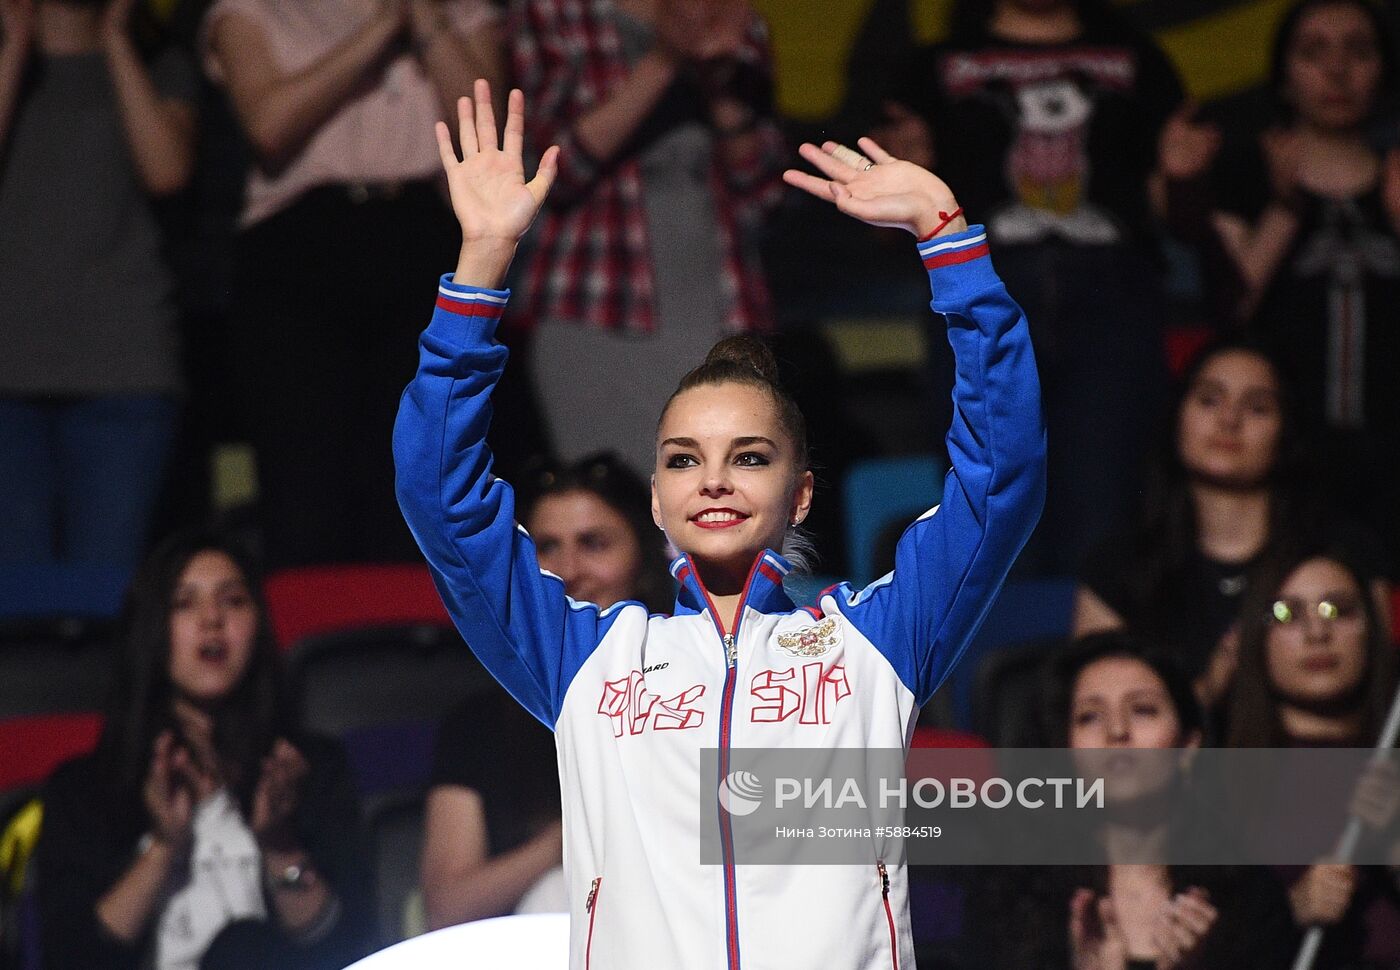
[[515, 617], [950, 564]]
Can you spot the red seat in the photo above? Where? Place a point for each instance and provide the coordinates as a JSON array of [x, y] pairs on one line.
[[313, 600], [1183, 343], [933, 737], [32, 747]]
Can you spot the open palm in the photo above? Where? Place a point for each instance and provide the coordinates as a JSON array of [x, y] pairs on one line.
[[490, 196], [883, 192]]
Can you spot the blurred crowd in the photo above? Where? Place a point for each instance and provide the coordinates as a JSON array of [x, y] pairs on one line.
[[233, 232]]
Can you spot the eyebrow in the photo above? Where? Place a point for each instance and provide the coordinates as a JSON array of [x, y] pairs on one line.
[[755, 439]]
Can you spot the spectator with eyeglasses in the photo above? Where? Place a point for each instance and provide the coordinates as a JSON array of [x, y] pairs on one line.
[[1316, 670], [492, 840], [1229, 483]]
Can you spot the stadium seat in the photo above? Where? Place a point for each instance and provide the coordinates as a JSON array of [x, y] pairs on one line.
[[313, 600], [881, 491], [381, 675], [396, 835], [31, 747], [91, 590], [383, 691], [1025, 611], [1008, 709], [53, 674]]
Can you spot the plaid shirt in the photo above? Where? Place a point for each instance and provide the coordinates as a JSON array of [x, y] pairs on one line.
[[593, 257]]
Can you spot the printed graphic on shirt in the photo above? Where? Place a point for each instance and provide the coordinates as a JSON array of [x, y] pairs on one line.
[[633, 708], [1342, 253], [1050, 99], [812, 641], [811, 693]]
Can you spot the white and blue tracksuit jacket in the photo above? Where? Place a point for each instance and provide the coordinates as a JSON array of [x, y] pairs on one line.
[[634, 698]]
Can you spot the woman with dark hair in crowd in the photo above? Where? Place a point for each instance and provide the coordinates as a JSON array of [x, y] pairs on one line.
[[199, 834], [1227, 483], [492, 839], [337, 99], [1048, 111], [1115, 691], [1317, 671], [1307, 213], [94, 129]]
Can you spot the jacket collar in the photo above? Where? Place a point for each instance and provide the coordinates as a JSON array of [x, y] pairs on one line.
[[764, 591]]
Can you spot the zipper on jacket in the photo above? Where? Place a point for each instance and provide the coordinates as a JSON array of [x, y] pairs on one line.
[[730, 641], [589, 907], [889, 913]]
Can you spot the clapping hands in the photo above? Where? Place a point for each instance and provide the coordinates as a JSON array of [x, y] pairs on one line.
[[277, 795], [1178, 931], [174, 785]]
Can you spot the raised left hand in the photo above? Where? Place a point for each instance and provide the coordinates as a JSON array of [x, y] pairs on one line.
[[878, 188], [277, 794]]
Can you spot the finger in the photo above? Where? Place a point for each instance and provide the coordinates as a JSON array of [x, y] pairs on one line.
[[873, 149], [486, 136], [466, 126], [1081, 920], [827, 164], [1165, 942], [845, 155], [1197, 920], [1108, 915], [543, 181], [821, 188], [446, 152], [515, 124]]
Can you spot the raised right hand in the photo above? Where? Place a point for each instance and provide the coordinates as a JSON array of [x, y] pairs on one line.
[[1095, 939], [492, 200], [167, 794], [16, 25]]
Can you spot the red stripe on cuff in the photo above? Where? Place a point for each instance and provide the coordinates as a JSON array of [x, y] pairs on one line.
[[956, 256], [470, 308]]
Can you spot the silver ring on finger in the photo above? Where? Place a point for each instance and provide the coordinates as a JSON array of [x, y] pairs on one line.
[[868, 166]]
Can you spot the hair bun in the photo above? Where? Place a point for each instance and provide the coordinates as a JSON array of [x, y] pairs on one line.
[[745, 351]]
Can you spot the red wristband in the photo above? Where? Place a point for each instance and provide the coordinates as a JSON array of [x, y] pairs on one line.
[[947, 217]]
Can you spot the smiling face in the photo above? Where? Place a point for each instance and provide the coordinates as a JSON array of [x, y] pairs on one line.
[[1231, 421], [1316, 648], [727, 482], [1332, 66], [213, 623], [588, 544]]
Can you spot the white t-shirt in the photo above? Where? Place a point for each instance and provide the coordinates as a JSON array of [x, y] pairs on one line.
[[224, 885]]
